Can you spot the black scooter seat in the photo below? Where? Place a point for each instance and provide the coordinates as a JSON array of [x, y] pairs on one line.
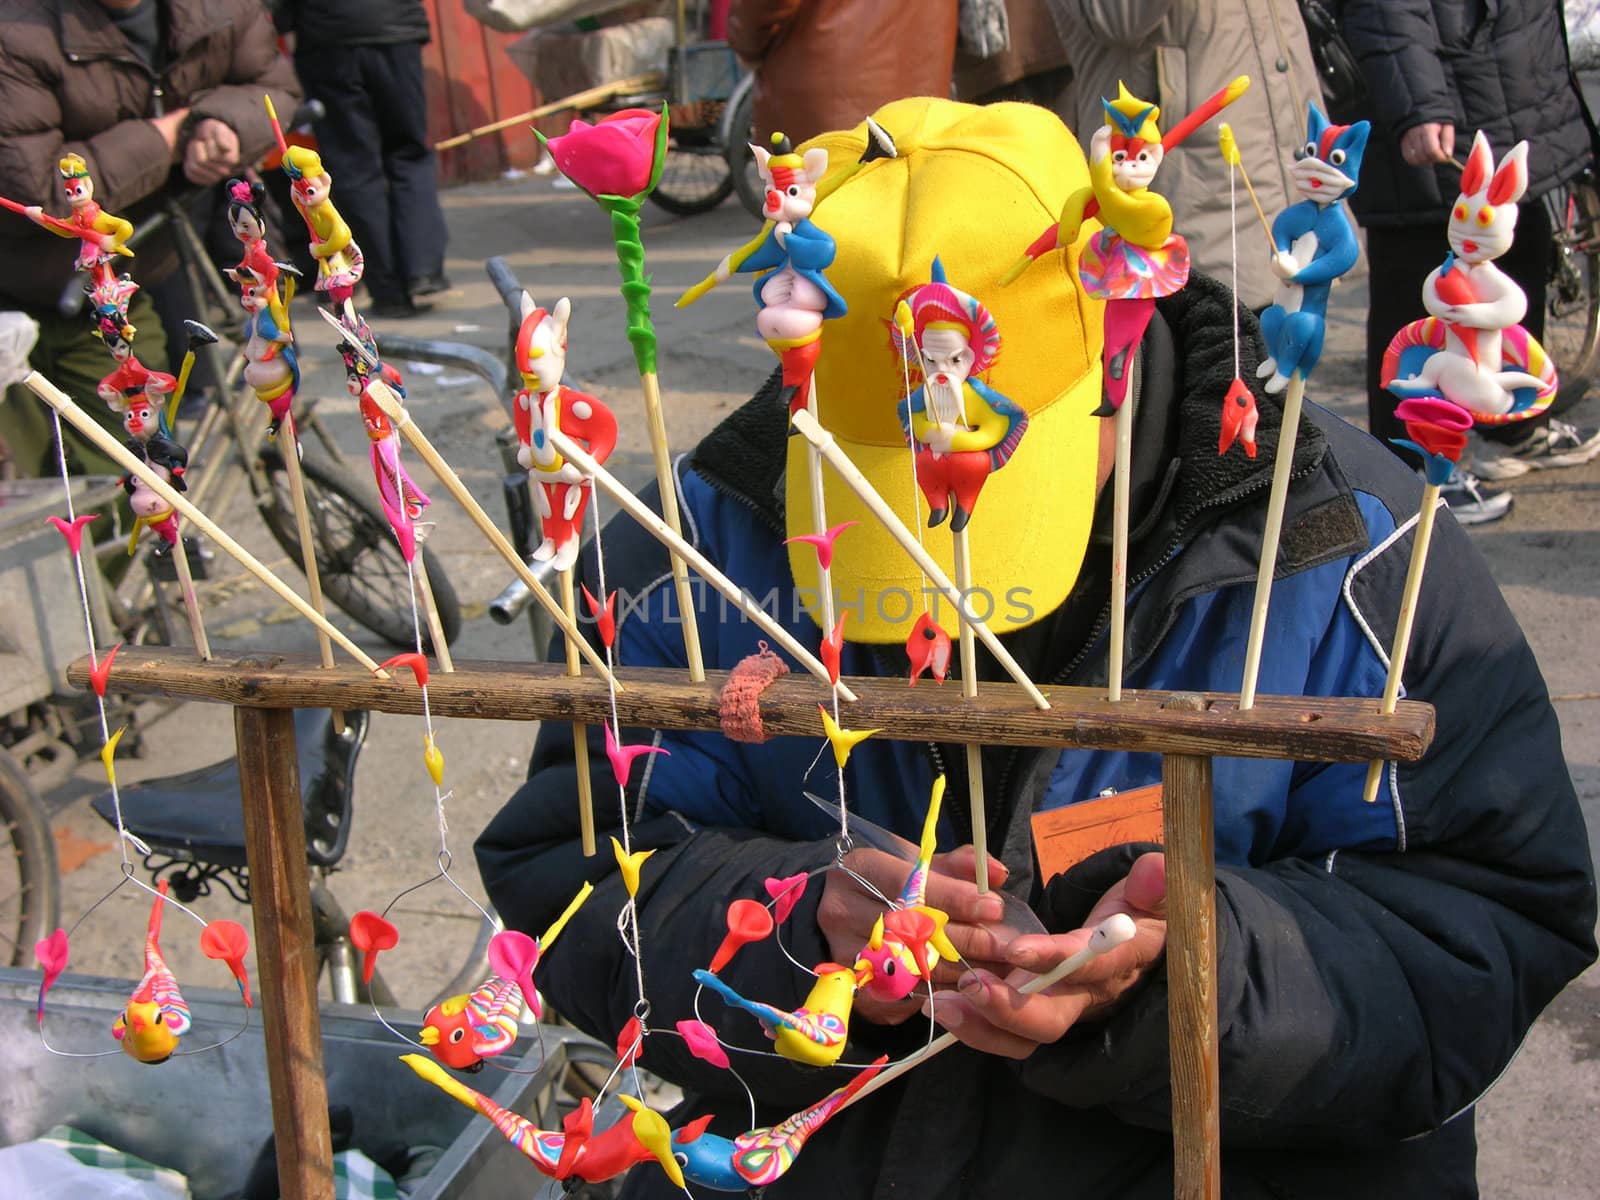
[[197, 814]]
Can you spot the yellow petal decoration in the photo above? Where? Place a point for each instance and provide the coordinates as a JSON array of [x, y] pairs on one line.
[[902, 318], [1230, 147], [433, 759], [108, 753], [629, 864], [655, 1136], [842, 740]]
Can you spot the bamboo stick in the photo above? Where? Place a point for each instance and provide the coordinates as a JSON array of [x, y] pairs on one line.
[[1293, 399], [880, 508], [1119, 530], [430, 612], [580, 733], [969, 691], [605, 91], [1408, 613], [302, 524], [659, 529], [191, 602], [445, 473], [91, 429], [657, 425]]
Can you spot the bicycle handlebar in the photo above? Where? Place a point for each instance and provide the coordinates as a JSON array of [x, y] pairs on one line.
[[479, 361]]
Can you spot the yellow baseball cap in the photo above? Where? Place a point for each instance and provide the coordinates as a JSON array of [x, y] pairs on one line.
[[974, 186]]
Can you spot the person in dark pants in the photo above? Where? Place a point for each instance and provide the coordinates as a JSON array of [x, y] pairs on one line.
[[363, 60], [1437, 71]]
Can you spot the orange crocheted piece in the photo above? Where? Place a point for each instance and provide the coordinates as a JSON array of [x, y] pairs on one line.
[[739, 705]]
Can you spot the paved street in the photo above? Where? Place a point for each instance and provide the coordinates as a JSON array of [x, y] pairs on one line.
[[1537, 1127]]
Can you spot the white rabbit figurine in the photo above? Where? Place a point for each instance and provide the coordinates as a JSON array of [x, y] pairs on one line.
[[1473, 298]]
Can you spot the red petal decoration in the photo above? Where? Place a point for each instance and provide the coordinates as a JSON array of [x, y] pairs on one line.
[[605, 619], [629, 1042], [371, 935], [748, 921], [101, 672], [417, 663], [227, 942], [832, 647]]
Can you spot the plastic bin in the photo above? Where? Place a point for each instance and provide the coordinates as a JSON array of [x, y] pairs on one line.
[[208, 1114]]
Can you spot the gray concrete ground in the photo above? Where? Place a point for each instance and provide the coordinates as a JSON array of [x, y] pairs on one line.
[[1536, 1126]]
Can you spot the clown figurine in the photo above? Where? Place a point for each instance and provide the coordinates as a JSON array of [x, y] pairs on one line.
[[960, 427], [543, 405], [101, 235]]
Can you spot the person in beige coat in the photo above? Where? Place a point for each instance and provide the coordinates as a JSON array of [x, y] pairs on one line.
[[1175, 53]]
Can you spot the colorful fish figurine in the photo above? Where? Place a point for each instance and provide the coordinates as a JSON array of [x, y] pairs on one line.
[[575, 1151], [814, 1033], [155, 1017], [908, 940]]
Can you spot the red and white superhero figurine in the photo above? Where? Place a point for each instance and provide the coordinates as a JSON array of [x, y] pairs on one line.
[[543, 405]]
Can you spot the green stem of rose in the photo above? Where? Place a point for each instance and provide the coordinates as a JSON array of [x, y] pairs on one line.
[[635, 283]]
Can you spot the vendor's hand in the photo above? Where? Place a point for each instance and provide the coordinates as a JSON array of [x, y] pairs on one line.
[[213, 152], [989, 1013], [169, 125], [1285, 265], [1430, 142], [847, 913]]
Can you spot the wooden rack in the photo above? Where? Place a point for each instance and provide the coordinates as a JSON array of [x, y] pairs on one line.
[[1187, 729]]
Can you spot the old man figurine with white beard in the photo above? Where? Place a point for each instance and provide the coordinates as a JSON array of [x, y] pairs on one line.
[[960, 427]]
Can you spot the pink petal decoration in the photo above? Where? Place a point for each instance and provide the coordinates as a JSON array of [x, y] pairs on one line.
[[513, 955], [629, 1042], [228, 942], [73, 532], [622, 757], [371, 935], [51, 953], [822, 542], [416, 663], [786, 893], [703, 1044]]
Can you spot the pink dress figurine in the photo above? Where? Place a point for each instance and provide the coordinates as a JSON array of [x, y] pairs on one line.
[[544, 404], [403, 502]]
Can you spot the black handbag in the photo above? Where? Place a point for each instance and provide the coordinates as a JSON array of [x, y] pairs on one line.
[[1344, 88]]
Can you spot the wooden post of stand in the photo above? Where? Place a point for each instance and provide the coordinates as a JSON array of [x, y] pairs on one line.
[[286, 959], [1187, 827]]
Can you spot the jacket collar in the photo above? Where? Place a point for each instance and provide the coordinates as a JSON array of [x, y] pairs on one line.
[[87, 32]]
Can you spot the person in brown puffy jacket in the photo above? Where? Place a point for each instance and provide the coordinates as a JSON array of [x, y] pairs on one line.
[[147, 92], [827, 64]]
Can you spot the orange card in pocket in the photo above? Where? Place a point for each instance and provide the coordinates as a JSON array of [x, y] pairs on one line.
[[1064, 837]]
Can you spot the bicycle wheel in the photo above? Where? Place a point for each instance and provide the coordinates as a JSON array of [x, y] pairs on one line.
[[1572, 297], [695, 178], [30, 889], [741, 163], [357, 557]]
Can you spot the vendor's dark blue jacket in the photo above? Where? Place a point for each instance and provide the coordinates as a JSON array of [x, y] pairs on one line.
[[1379, 964]]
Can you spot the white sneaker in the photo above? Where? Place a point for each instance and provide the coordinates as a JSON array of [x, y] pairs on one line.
[[1473, 504], [1553, 444], [1494, 460]]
